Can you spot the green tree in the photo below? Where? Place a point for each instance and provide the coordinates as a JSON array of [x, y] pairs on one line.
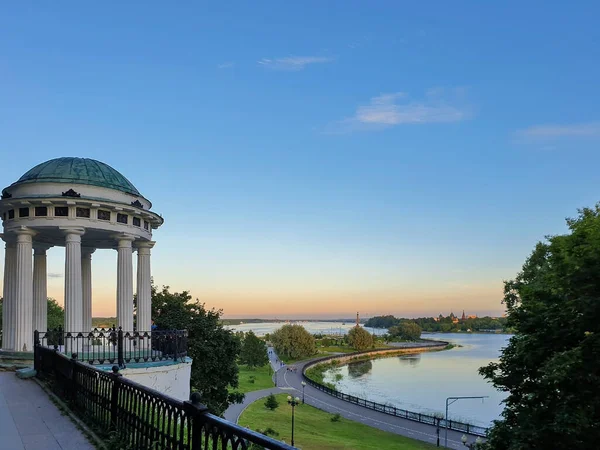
[[325, 342], [550, 368], [271, 402], [400, 332], [254, 351], [381, 322], [56, 315], [214, 349], [293, 341], [408, 330], [360, 339]]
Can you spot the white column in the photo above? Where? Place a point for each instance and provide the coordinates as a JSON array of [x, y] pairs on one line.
[[86, 284], [23, 292], [40, 288], [8, 318], [73, 290], [144, 291], [124, 282]]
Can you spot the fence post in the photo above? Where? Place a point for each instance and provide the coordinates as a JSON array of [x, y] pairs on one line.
[[36, 352], [114, 397], [73, 390], [195, 410], [120, 358], [54, 356], [176, 349]]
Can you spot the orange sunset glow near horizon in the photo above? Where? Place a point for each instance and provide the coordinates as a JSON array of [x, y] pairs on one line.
[[289, 297]]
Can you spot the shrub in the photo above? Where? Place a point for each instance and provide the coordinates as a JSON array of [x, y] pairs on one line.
[[271, 403], [336, 417]]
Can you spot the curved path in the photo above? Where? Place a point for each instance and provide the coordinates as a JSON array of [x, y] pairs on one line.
[[288, 381], [234, 412]]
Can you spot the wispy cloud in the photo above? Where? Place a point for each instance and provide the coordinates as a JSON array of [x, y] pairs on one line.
[[555, 131], [55, 275], [226, 65], [293, 63], [387, 110]]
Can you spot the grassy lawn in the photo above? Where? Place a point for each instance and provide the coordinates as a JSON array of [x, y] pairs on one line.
[[346, 348], [315, 430], [262, 378], [335, 349]]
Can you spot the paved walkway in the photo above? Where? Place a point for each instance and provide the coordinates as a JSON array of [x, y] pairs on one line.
[[30, 421], [234, 412], [288, 381]]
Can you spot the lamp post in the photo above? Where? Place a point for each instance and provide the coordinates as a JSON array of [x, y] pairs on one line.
[[472, 445], [455, 399], [293, 402], [438, 416], [303, 386]]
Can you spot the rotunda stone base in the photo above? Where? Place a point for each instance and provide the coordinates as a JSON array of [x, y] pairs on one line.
[[168, 377]]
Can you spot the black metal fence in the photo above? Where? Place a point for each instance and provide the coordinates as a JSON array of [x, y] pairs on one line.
[[392, 410], [140, 417], [115, 346]]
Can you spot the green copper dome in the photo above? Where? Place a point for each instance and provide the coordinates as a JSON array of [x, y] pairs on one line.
[[79, 171]]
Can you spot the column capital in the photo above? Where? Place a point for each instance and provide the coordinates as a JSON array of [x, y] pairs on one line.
[[86, 252], [72, 231], [143, 247], [124, 240], [40, 248], [24, 234]]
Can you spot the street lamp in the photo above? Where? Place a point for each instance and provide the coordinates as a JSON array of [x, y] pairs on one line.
[[293, 402], [438, 416], [472, 445], [303, 386], [455, 399]]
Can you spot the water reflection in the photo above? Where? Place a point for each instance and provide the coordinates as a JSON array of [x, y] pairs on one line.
[[410, 360], [358, 369], [421, 382]]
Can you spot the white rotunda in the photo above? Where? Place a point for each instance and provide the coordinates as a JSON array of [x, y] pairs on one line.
[[83, 205]]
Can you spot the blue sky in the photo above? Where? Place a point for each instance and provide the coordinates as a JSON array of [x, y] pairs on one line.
[[316, 160]]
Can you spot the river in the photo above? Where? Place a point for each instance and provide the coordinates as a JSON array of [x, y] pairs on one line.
[[421, 382]]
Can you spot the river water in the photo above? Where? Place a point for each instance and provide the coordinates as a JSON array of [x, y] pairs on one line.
[[421, 382]]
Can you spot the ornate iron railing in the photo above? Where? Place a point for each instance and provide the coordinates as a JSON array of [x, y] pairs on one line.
[[387, 409], [140, 417], [115, 346]]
